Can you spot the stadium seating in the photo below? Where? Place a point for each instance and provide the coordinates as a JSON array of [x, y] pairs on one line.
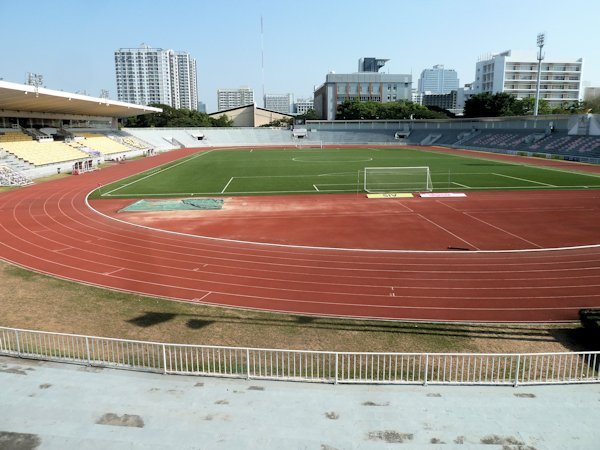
[[588, 146], [11, 177], [102, 144], [41, 153], [14, 136]]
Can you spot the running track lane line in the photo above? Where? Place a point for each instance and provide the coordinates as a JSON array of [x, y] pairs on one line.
[[554, 305]]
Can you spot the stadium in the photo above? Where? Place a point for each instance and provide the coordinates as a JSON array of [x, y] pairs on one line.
[[468, 221]]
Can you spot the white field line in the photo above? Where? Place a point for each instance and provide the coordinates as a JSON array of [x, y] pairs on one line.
[[227, 185], [512, 163], [316, 188], [512, 188], [523, 179], [185, 194], [338, 184], [339, 174], [157, 172], [461, 185]]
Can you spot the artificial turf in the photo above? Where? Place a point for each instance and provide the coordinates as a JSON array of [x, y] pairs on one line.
[[304, 171]]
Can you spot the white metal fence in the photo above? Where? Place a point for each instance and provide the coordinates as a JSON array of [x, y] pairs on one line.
[[308, 366]]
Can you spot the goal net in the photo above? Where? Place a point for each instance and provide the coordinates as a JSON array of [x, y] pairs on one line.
[[397, 179]]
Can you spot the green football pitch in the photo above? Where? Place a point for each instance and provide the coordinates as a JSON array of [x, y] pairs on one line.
[[304, 171]]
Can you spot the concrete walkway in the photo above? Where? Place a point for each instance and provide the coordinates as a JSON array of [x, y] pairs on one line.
[[62, 406]]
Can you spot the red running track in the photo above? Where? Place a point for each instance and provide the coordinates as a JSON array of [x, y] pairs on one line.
[[50, 229]]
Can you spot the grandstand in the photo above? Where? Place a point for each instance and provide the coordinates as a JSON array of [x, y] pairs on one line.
[[43, 133]]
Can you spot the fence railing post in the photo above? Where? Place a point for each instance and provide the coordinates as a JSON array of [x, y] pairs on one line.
[[18, 342], [164, 348], [426, 369], [336, 367], [87, 350], [517, 371], [247, 363]]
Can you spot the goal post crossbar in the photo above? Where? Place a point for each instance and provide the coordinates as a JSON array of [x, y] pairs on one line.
[[397, 179]]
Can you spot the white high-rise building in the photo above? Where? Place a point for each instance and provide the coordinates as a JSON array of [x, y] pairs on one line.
[[279, 102], [234, 98], [438, 80], [516, 74], [153, 75]]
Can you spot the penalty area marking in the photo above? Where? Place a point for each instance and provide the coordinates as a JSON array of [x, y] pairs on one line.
[[227, 185], [329, 161], [156, 172], [523, 179]]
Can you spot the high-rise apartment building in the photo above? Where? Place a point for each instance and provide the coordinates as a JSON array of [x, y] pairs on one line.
[[516, 74], [234, 98], [438, 80], [279, 102], [152, 75]]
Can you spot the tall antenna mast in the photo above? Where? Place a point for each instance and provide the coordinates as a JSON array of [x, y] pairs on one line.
[[262, 57]]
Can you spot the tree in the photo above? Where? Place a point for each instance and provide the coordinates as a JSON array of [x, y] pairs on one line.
[[221, 121], [593, 104], [575, 107], [526, 107], [311, 114], [487, 104], [281, 123], [399, 110], [171, 117]]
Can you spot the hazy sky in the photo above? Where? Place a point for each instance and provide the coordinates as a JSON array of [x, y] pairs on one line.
[[72, 43]]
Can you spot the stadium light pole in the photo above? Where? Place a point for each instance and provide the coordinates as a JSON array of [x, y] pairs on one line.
[[541, 37]]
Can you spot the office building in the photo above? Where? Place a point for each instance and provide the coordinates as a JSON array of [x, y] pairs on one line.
[[363, 86], [444, 101], [416, 97], [279, 102], [516, 74], [591, 92], [234, 98], [303, 105], [152, 75], [438, 80]]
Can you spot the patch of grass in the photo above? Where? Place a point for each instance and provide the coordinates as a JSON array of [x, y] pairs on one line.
[[38, 302]]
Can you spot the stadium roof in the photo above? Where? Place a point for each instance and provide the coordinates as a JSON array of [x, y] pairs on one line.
[[27, 98]]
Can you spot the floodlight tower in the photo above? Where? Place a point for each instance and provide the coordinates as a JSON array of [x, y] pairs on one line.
[[35, 80], [541, 37]]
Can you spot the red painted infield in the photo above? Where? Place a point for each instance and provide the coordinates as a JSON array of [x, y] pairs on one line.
[[50, 229], [480, 221]]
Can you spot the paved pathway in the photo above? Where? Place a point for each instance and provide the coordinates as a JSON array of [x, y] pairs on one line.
[[62, 406]]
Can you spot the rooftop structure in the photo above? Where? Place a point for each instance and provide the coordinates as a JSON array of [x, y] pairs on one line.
[[371, 64]]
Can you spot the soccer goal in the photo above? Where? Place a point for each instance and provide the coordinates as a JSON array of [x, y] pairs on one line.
[[397, 179]]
